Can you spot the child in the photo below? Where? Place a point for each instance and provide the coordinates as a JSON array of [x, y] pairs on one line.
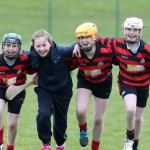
[[13, 70], [54, 89]]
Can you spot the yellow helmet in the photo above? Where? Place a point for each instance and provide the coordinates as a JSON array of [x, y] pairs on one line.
[[86, 29]]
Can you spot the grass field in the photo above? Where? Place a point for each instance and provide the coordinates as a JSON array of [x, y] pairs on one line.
[[25, 17], [63, 17], [114, 131]]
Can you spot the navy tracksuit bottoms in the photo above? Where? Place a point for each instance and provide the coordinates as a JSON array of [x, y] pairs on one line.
[[56, 105]]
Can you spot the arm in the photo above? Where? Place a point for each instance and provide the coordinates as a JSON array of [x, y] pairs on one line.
[[66, 51], [77, 51]]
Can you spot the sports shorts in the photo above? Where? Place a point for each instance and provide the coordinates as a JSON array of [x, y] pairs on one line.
[[100, 90], [141, 92], [14, 105]]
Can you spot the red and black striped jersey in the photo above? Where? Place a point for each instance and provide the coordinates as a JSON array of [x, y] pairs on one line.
[[134, 69], [98, 68], [15, 74]]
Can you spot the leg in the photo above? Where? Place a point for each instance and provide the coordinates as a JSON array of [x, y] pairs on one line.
[[135, 99], [61, 106], [99, 109], [138, 121], [101, 94], [142, 96], [14, 108], [130, 104], [12, 128], [45, 111], [129, 94], [82, 101], [138, 125], [2, 106]]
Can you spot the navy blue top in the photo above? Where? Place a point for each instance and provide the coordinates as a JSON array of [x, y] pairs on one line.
[[53, 71]]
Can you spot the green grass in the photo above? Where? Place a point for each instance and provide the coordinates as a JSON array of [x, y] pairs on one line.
[[25, 17], [114, 130]]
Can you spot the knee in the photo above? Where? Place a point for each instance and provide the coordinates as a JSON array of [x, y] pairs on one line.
[[80, 113], [12, 126], [131, 112], [138, 121], [98, 121], [42, 117]]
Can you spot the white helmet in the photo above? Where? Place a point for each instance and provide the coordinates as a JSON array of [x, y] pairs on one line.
[[133, 22]]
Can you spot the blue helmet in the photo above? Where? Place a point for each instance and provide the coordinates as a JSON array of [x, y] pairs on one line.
[[12, 38]]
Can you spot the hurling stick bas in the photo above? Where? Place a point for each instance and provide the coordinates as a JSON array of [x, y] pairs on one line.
[[13, 90]]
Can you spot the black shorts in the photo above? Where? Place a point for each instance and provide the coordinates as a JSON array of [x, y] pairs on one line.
[[14, 106], [100, 90], [141, 92]]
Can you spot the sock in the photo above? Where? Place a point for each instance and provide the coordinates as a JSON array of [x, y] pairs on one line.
[[95, 145], [1, 135], [136, 142], [61, 146], [83, 127], [130, 134], [47, 143], [8, 147]]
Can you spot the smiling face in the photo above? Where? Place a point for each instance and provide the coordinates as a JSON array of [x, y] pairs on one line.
[[11, 50], [42, 46], [86, 43], [42, 42], [132, 34]]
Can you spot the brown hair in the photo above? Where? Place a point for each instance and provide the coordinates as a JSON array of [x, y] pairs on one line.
[[41, 33]]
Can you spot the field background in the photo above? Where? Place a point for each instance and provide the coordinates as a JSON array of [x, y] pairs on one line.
[[61, 18]]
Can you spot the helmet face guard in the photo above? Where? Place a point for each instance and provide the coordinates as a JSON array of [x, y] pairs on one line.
[[10, 41], [86, 30], [133, 23]]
